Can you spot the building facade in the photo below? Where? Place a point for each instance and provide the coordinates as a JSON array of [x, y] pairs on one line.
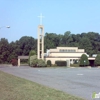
[[70, 54]]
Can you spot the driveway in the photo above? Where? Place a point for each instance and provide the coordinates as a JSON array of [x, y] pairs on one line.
[[81, 82]]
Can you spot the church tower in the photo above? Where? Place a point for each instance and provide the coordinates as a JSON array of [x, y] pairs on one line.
[[40, 42]]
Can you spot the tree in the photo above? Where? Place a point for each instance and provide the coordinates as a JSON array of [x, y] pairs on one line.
[[51, 40], [97, 60], [86, 44], [84, 60], [4, 50], [89, 41], [66, 38], [32, 52], [26, 44]]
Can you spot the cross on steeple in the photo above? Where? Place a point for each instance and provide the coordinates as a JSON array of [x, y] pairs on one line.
[[41, 18]]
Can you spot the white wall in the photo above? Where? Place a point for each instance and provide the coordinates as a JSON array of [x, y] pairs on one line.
[[66, 54], [62, 59]]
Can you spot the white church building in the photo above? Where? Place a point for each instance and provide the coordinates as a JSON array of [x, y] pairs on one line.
[[64, 53], [68, 54]]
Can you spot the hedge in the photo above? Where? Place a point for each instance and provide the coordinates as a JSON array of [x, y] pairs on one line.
[[60, 63]]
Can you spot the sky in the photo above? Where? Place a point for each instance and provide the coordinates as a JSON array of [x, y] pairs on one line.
[[60, 16]]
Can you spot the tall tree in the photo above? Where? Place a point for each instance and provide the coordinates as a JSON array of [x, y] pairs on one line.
[[97, 60], [4, 50], [66, 38], [86, 44], [84, 60], [25, 44]]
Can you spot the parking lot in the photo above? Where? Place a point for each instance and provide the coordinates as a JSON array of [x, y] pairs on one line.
[[81, 82]]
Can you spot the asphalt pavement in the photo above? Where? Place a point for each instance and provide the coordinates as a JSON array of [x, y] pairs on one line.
[[81, 82]]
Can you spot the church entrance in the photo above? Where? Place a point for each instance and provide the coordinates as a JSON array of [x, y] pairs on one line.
[[91, 63]]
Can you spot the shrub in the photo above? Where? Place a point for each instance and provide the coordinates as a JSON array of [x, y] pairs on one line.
[[14, 62], [48, 66], [33, 61], [41, 63], [54, 65], [74, 65], [49, 62], [60, 63], [31, 53], [76, 62], [23, 61], [97, 60], [84, 60]]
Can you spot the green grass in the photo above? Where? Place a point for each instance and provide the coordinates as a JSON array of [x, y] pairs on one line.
[[15, 88]]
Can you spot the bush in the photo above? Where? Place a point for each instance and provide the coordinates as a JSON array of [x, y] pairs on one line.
[[33, 61], [60, 63], [48, 66], [74, 65], [49, 62], [14, 62], [41, 63], [31, 53], [84, 60], [97, 60], [54, 65], [76, 62]]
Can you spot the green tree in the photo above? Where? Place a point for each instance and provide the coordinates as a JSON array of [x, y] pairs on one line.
[[32, 52], [66, 38], [26, 44], [51, 40], [86, 44], [14, 49], [4, 50], [84, 60], [89, 41], [97, 60]]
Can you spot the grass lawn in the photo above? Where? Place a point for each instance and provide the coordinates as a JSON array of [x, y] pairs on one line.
[[15, 88]]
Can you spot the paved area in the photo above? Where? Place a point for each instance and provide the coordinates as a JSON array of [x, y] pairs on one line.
[[81, 82]]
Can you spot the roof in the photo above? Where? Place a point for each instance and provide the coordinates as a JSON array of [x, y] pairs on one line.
[[23, 57]]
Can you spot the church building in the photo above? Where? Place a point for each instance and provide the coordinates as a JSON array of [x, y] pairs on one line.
[[70, 54]]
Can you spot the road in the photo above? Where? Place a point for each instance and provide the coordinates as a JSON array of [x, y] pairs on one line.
[[81, 82]]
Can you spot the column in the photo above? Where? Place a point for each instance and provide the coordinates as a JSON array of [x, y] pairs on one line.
[[72, 61], [18, 62], [68, 62]]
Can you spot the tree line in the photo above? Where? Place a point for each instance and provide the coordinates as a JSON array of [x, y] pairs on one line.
[[89, 41]]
